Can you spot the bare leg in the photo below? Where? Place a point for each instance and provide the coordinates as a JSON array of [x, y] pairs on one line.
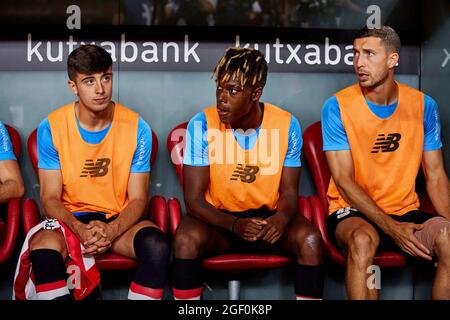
[[435, 235], [359, 240], [304, 241], [124, 244], [441, 285], [195, 238], [46, 239]]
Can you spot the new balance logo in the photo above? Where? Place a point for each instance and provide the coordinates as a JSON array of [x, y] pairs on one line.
[[246, 174], [387, 144], [94, 170]]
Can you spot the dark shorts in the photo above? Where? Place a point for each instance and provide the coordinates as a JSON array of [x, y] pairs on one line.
[[88, 217], [238, 245], [386, 242]]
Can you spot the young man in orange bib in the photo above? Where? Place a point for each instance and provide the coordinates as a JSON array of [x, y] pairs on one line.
[[376, 135], [94, 172], [241, 175]]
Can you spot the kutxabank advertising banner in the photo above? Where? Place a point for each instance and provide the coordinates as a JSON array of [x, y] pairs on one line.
[[190, 49]]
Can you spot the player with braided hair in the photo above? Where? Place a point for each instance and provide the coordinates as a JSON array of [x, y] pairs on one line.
[[237, 199]]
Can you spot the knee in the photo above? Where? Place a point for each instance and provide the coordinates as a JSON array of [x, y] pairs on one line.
[[362, 245], [151, 242], [442, 245], [49, 240], [309, 242], [187, 244]]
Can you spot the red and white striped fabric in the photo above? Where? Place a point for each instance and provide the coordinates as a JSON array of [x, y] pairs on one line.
[[138, 292], [83, 274], [189, 294]]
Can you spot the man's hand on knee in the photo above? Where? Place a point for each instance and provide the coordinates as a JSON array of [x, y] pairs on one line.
[[403, 235]]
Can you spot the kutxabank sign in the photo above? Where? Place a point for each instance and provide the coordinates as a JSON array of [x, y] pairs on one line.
[[322, 51]]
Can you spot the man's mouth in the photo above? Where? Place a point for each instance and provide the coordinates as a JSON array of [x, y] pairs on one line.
[[363, 76], [222, 112], [100, 100]]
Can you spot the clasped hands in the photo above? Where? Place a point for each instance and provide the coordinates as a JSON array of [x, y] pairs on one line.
[[268, 230], [96, 236]]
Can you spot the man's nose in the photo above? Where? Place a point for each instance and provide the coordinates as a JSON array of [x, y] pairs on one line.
[[222, 95], [359, 61], [99, 87]]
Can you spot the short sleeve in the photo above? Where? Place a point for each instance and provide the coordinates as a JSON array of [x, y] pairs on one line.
[[141, 158], [333, 131], [196, 147], [6, 148], [295, 143], [431, 125], [48, 157]]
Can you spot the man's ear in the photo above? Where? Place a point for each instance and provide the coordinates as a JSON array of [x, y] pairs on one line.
[[257, 93], [393, 60], [72, 87]]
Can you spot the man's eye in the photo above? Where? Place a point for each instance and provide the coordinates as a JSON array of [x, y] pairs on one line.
[[106, 79], [89, 81], [233, 91]]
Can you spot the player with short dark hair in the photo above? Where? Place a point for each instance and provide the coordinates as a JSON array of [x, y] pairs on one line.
[[376, 136], [94, 172]]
